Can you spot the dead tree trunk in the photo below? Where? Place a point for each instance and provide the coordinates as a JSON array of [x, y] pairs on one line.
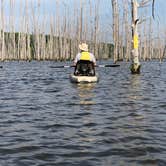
[[2, 32], [115, 29], [127, 31], [135, 66]]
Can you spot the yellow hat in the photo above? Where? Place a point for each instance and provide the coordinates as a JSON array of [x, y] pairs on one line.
[[83, 47]]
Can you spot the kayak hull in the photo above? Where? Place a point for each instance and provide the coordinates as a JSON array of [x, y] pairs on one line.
[[83, 79]]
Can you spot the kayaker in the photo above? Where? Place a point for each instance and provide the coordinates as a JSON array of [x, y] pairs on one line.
[[84, 61]]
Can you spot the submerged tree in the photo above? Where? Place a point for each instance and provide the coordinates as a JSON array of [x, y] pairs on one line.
[[135, 66], [115, 14]]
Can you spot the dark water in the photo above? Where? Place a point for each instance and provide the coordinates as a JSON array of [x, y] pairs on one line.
[[46, 120]]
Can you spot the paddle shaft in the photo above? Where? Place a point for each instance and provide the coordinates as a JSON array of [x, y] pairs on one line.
[[68, 66]]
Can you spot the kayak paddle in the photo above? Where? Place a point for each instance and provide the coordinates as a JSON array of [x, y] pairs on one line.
[[68, 66]]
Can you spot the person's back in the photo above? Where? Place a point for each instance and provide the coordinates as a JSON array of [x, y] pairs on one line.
[[84, 61], [84, 68]]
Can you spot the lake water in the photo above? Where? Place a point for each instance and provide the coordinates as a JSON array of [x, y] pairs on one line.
[[45, 120]]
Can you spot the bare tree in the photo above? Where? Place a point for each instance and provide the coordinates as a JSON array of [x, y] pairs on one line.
[[115, 29], [127, 33], [135, 66], [2, 32]]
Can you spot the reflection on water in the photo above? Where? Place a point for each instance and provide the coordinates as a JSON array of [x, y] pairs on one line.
[[86, 99], [135, 87], [46, 120], [135, 96], [86, 94]]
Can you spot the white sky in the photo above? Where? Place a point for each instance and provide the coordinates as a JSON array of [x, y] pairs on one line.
[[46, 9]]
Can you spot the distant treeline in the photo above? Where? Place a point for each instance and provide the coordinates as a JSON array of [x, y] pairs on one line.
[[21, 46]]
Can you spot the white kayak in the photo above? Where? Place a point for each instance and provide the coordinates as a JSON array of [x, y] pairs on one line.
[[83, 79]]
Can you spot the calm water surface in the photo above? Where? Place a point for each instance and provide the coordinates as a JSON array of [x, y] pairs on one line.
[[46, 120]]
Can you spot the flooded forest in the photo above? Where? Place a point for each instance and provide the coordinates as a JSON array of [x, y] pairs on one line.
[[30, 32]]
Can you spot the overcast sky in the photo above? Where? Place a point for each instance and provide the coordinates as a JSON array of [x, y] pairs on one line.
[[48, 6]]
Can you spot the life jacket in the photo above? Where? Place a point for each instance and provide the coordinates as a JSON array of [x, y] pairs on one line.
[[85, 56]]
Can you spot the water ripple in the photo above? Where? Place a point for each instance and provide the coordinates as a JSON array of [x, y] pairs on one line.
[[46, 120]]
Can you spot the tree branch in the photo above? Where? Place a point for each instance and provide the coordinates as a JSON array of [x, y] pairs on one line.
[[144, 3], [153, 8]]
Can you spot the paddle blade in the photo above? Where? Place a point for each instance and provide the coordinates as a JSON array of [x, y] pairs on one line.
[[113, 65]]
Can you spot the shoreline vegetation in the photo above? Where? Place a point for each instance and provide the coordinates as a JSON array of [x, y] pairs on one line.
[[28, 47], [21, 46], [28, 32]]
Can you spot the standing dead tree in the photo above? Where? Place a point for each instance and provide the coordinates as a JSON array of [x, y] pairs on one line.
[[135, 66], [115, 29], [127, 44], [2, 34]]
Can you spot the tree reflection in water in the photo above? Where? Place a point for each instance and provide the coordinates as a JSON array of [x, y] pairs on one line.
[[85, 93]]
